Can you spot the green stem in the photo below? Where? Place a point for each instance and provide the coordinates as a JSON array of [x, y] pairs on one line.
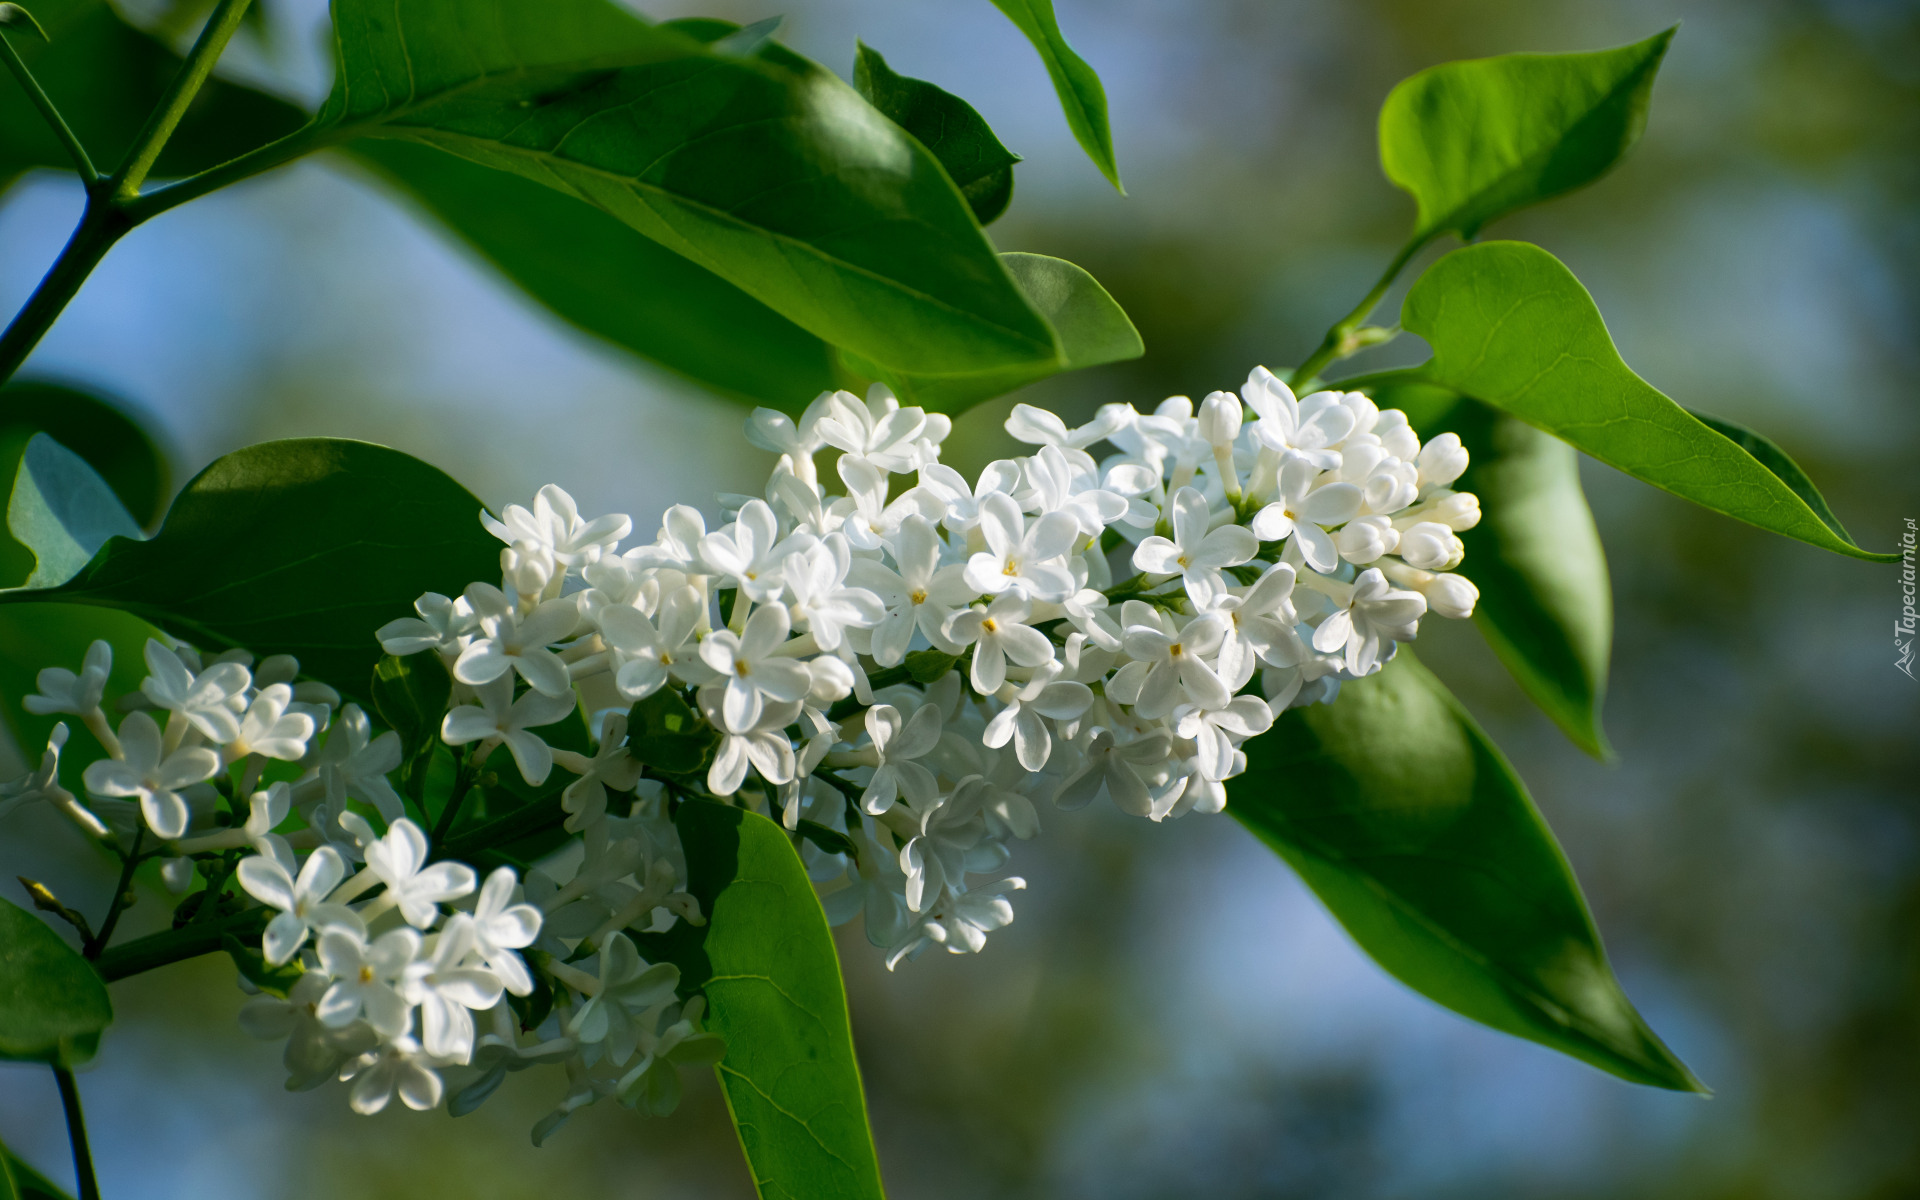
[[149, 205], [41, 101], [177, 945], [119, 905], [77, 1134], [1334, 345], [179, 94], [102, 225]]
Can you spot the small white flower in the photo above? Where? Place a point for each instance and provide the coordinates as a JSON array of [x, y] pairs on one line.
[[917, 593], [1194, 553], [1260, 623], [998, 632], [1169, 667], [554, 523], [39, 784], [763, 745], [961, 922], [1373, 617], [1038, 427], [879, 431], [650, 651], [682, 531], [1304, 512], [1045, 695], [61, 691], [628, 988], [501, 928], [1306, 427], [511, 641], [315, 1053], [820, 596], [799, 441], [1116, 768], [204, 700], [440, 626], [269, 730], [399, 860], [749, 553], [154, 780], [898, 742], [1056, 484], [302, 901], [752, 669], [1028, 559], [1217, 732], [446, 989], [366, 979], [398, 1066], [363, 761], [500, 716]]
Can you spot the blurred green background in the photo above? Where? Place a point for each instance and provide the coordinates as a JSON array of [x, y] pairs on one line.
[[1172, 1014]]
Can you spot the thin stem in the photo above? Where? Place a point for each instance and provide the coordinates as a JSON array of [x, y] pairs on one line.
[[179, 94], [102, 225], [77, 1134], [1334, 345], [177, 945], [44, 103], [93, 948], [143, 208]]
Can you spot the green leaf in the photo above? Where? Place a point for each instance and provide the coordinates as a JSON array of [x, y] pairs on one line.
[[766, 170], [1401, 815], [1545, 605], [98, 430], [411, 696], [666, 734], [1082, 98], [1511, 326], [34, 637], [609, 280], [59, 513], [1773, 458], [301, 547], [1093, 330], [28, 1184], [106, 76], [766, 962], [959, 137], [253, 965], [53, 1004], [1473, 141]]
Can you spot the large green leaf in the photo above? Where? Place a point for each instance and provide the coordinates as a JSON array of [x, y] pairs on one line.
[[59, 512], [1511, 326], [767, 965], [1406, 821], [106, 76], [98, 430], [1082, 98], [301, 547], [765, 168], [34, 637], [603, 277], [1093, 330], [959, 137], [1545, 603], [1475, 140], [53, 1004]]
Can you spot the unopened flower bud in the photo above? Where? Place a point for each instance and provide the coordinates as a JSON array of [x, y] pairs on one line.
[[1442, 460], [1451, 596], [832, 679], [1456, 510], [1365, 539], [1220, 418], [1431, 546]]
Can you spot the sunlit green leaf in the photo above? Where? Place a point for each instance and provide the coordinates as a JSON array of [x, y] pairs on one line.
[[1474, 140], [98, 430], [106, 76], [959, 137], [772, 980], [34, 637], [1406, 821], [765, 169], [53, 1004], [1082, 98], [1773, 458], [604, 277], [301, 547], [1511, 326], [59, 512]]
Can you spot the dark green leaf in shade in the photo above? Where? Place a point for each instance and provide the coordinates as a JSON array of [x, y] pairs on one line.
[[106, 76], [1472, 141], [27, 1183], [666, 734], [34, 637], [301, 547], [766, 170], [604, 277], [1510, 325], [59, 512], [98, 430], [411, 695], [53, 1004], [253, 965], [1545, 604], [1093, 330], [765, 960], [1082, 98], [959, 137], [1401, 815]]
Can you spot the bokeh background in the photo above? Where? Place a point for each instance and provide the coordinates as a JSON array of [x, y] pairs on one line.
[[1172, 1014]]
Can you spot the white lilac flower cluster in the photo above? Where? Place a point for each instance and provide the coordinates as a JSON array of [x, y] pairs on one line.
[[901, 668]]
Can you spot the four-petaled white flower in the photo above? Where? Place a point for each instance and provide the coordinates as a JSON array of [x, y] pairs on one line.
[[510, 640], [751, 668], [554, 524], [440, 626], [1045, 695], [1305, 510], [628, 987], [363, 761], [917, 593], [651, 650], [1028, 559], [302, 900], [203, 700], [366, 978], [1170, 666], [500, 717], [155, 779], [1194, 553], [897, 742], [1375, 615], [998, 632], [502, 928], [821, 596], [399, 860], [446, 988], [61, 691], [268, 729]]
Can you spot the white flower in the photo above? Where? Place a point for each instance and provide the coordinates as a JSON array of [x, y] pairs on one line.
[[649, 651], [397, 1066], [1028, 559], [1260, 623], [998, 632], [950, 840], [41, 783], [1304, 512], [962, 502], [1045, 695], [897, 743], [315, 1053], [1217, 732], [752, 669], [512, 641], [1431, 546], [776, 431], [445, 989], [366, 979], [1306, 427], [440, 626], [399, 860], [961, 922], [1059, 485], [879, 431], [610, 767], [1037, 426], [1442, 460], [499, 716], [873, 519], [203, 701], [819, 595], [302, 901], [1169, 666], [269, 730], [920, 594], [628, 987], [501, 928], [554, 524], [156, 781], [363, 761], [61, 691], [1195, 554], [1373, 612], [1116, 767], [682, 531]]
